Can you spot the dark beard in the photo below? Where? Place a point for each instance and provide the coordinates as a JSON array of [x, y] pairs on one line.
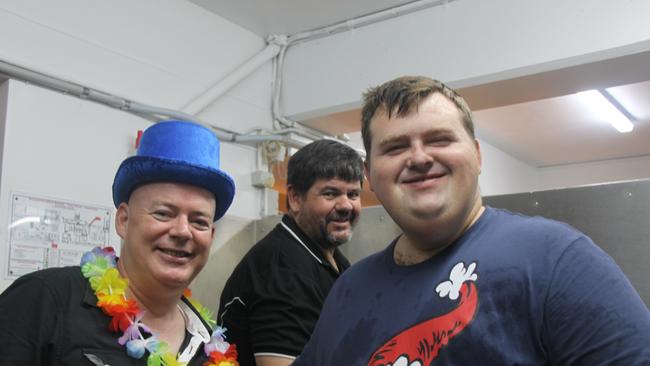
[[329, 242]]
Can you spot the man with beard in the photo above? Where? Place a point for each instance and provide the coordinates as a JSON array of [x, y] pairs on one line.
[[273, 298]]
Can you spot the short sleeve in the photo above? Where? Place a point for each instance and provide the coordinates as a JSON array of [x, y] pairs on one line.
[[28, 315], [593, 314]]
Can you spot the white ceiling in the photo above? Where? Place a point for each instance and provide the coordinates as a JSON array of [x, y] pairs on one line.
[[536, 118], [266, 17]]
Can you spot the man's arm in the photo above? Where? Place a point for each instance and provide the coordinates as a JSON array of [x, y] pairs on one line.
[[272, 361]]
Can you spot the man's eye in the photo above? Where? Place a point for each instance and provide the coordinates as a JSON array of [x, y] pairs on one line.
[[162, 215], [440, 141], [329, 194], [353, 195], [394, 149], [201, 224]]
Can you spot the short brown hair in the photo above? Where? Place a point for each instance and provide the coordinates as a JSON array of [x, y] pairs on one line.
[[402, 96]]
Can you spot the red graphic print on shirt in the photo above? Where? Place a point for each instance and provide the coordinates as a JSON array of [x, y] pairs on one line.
[[419, 344]]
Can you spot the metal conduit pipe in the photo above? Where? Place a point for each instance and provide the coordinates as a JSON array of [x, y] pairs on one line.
[[278, 67], [60, 85], [285, 123], [142, 110], [366, 20], [199, 103]]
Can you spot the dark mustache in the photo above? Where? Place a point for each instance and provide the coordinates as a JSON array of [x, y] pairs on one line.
[[342, 216]]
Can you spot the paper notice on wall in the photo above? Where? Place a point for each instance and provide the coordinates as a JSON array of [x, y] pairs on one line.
[[47, 232]]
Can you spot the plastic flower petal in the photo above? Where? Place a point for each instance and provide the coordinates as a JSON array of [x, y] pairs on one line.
[[204, 312], [106, 300], [162, 357], [207, 315], [109, 283], [109, 253], [88, 257], [219, 332], [228, 358], [94, 268], [170, 360], [216, 346], [123, 315], [232, 351], [134, 331], [154, 346], [135, 348], [217, 342]]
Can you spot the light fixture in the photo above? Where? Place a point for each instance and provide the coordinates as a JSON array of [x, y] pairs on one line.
[[607, 107]]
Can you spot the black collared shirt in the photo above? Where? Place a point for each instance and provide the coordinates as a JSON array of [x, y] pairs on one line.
[[273, 298]]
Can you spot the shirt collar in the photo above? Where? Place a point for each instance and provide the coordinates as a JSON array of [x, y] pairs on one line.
[[290, 226]]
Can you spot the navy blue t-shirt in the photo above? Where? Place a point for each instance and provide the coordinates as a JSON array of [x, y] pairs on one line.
[[513, 290]]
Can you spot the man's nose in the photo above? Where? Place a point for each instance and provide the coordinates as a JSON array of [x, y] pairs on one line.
[[419, 157], [181, 228], [344, 203]]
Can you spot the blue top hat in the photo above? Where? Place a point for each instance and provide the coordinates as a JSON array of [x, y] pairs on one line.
[[176, 151]]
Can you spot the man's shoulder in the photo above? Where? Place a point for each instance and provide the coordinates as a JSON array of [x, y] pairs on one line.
[[60, 282], [531, 224], [53, 276], [274, 243], [276, 249]]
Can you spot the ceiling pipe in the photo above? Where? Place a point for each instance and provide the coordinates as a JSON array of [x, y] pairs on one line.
[[367, 19], [199, 103], [276, 111], [152, 113]]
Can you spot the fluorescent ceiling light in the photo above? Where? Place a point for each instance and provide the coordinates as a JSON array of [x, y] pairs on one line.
[[604, 105]]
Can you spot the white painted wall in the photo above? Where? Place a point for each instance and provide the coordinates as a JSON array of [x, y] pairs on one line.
[[463, 43], [594, 173], [60, 147], [503, 174]]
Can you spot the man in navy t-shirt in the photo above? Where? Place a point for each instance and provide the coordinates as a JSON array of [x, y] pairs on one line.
[[467, 284]]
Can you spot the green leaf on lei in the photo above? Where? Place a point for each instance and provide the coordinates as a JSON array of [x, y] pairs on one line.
[[95, 268], [207, 315], [155, 359], [162, 357]]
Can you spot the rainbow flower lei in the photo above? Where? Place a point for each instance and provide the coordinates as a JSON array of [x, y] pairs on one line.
[[98, 266]]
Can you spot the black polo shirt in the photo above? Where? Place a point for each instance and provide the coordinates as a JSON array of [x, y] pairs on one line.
[[273, 298]]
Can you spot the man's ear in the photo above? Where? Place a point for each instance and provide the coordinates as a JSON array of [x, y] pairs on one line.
[[478, 155], [294, 199], [366, 172], [122, 219]]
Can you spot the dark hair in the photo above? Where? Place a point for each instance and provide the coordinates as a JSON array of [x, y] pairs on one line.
[[323, 159], [402, 96]]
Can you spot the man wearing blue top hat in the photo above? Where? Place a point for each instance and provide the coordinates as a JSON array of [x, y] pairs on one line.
[[133, 311]]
